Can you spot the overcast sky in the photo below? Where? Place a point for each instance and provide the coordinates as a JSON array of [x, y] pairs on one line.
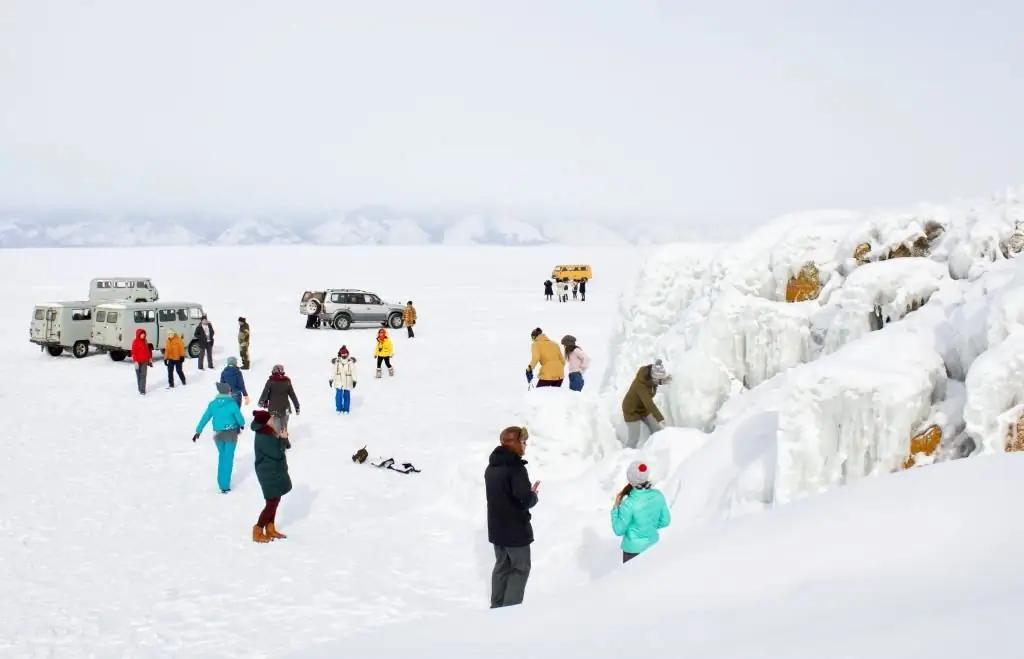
[[674, 109]]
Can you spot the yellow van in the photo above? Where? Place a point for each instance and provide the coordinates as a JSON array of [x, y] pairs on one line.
[[572, 273]]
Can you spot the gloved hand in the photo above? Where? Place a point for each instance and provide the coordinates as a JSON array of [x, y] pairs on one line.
[[330, 383], [529, 375], [296, 411], [354, 383], [195, 437]]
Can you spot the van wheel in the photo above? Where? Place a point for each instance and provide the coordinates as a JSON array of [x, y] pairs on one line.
[[194, 349], [395, 320], [55, 351], [342, 322], [80, 349], [118, 355]]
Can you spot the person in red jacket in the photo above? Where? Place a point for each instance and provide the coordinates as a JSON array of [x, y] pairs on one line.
[[142, 357]]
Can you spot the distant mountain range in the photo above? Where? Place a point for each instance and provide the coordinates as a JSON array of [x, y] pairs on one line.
[[373, 226]]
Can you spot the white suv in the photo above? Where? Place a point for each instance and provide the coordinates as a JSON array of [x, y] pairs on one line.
[[341, 308]]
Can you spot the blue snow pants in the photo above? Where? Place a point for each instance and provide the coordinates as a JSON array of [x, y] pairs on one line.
[[342, 400], [225, 461]]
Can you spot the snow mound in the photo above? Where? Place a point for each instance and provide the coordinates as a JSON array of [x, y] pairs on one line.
[[784, 585], [568, 430]]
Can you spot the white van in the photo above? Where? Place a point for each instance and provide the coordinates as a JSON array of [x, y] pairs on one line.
[[123, 289], [114, 325], [57, 326]]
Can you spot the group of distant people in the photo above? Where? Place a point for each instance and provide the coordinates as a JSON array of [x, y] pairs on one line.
[[639, 511], [563, 287]]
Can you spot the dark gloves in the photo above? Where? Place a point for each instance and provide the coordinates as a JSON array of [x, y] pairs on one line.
[[330, 383], [287, 443], [529, 375], [354, 383], [195, 437], [296, 411]]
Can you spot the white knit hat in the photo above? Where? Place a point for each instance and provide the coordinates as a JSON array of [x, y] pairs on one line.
[[638, 473], [658, 371]]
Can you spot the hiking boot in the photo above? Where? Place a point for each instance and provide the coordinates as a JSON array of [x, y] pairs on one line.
[[377, 374], [258, 535], [272, 532], [391, 372]]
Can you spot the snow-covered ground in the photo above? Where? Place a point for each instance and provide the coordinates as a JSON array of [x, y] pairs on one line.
[[114, 539], [903, 327]]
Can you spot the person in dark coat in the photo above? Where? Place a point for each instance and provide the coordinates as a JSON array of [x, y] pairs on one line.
[[509, 499], [204, 337], [549, 290], [278, 397], [272, 473], [583, 291]]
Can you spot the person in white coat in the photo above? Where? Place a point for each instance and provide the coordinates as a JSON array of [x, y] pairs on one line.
[[343, 379]]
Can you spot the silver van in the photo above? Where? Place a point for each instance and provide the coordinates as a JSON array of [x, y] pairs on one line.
[[60, 326], [118, 289], [114, 325]]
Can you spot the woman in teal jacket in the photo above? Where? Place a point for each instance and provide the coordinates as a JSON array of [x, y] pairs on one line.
[[227, 424], [639, 512]]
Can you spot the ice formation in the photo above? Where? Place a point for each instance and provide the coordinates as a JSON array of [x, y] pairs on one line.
[[824, 349]]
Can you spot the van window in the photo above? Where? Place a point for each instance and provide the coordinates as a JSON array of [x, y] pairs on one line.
[[141, 284], [111, 316], [168, 315], [121, 284], [101, 316], [81, 314], [144, 316], [103, 284], [195, 313], [39, 314], [356, 298], [51, 314]]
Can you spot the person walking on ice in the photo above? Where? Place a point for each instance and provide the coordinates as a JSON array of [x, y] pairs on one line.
[[174, 358], [639, 512], [509, 500], [204, 336], [543, 351], [409, 318], [638, 408], [227, 424], [343, 379], [142, 357], [271, 466], [384, 351], [277, 398], [549, 291], [232, 376], [243, 342]]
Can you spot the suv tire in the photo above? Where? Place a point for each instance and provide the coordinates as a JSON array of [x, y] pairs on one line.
[[395, 321], [312, 307], [341, 322]]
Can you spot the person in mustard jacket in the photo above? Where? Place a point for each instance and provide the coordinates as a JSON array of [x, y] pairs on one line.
[[409, 318], [174, 357], [545, 352], [384, 352]]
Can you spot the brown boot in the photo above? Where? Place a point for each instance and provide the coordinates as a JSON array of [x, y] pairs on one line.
[[258, 535], [272, 532], [391, 372]]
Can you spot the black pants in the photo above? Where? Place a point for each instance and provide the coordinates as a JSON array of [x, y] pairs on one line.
[[384, 360], [627, 557], [583, 295], [550, 383], [508, 579], [175, 366], [409, 329], [206, 350]]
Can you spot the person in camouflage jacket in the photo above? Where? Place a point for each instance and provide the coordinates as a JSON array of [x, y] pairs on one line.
[[243, 342]]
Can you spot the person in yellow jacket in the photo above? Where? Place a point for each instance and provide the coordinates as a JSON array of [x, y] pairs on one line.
[[545, 352], [174, 357], [409, 317], [384, 352]]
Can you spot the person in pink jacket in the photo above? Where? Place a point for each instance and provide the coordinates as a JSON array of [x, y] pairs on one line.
[[576, 360]]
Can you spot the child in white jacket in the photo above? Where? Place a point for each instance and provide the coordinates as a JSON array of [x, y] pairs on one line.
[[576, 360], [343, 379]]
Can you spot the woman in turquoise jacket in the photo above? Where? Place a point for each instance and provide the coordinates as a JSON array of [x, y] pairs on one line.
[[227, 424], [639, 512]]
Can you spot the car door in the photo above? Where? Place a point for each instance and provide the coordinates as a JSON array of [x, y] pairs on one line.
[[360, 311], [376, 310], [53, 325]]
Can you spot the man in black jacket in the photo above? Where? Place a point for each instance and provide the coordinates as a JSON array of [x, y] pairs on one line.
[[509, 499]]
